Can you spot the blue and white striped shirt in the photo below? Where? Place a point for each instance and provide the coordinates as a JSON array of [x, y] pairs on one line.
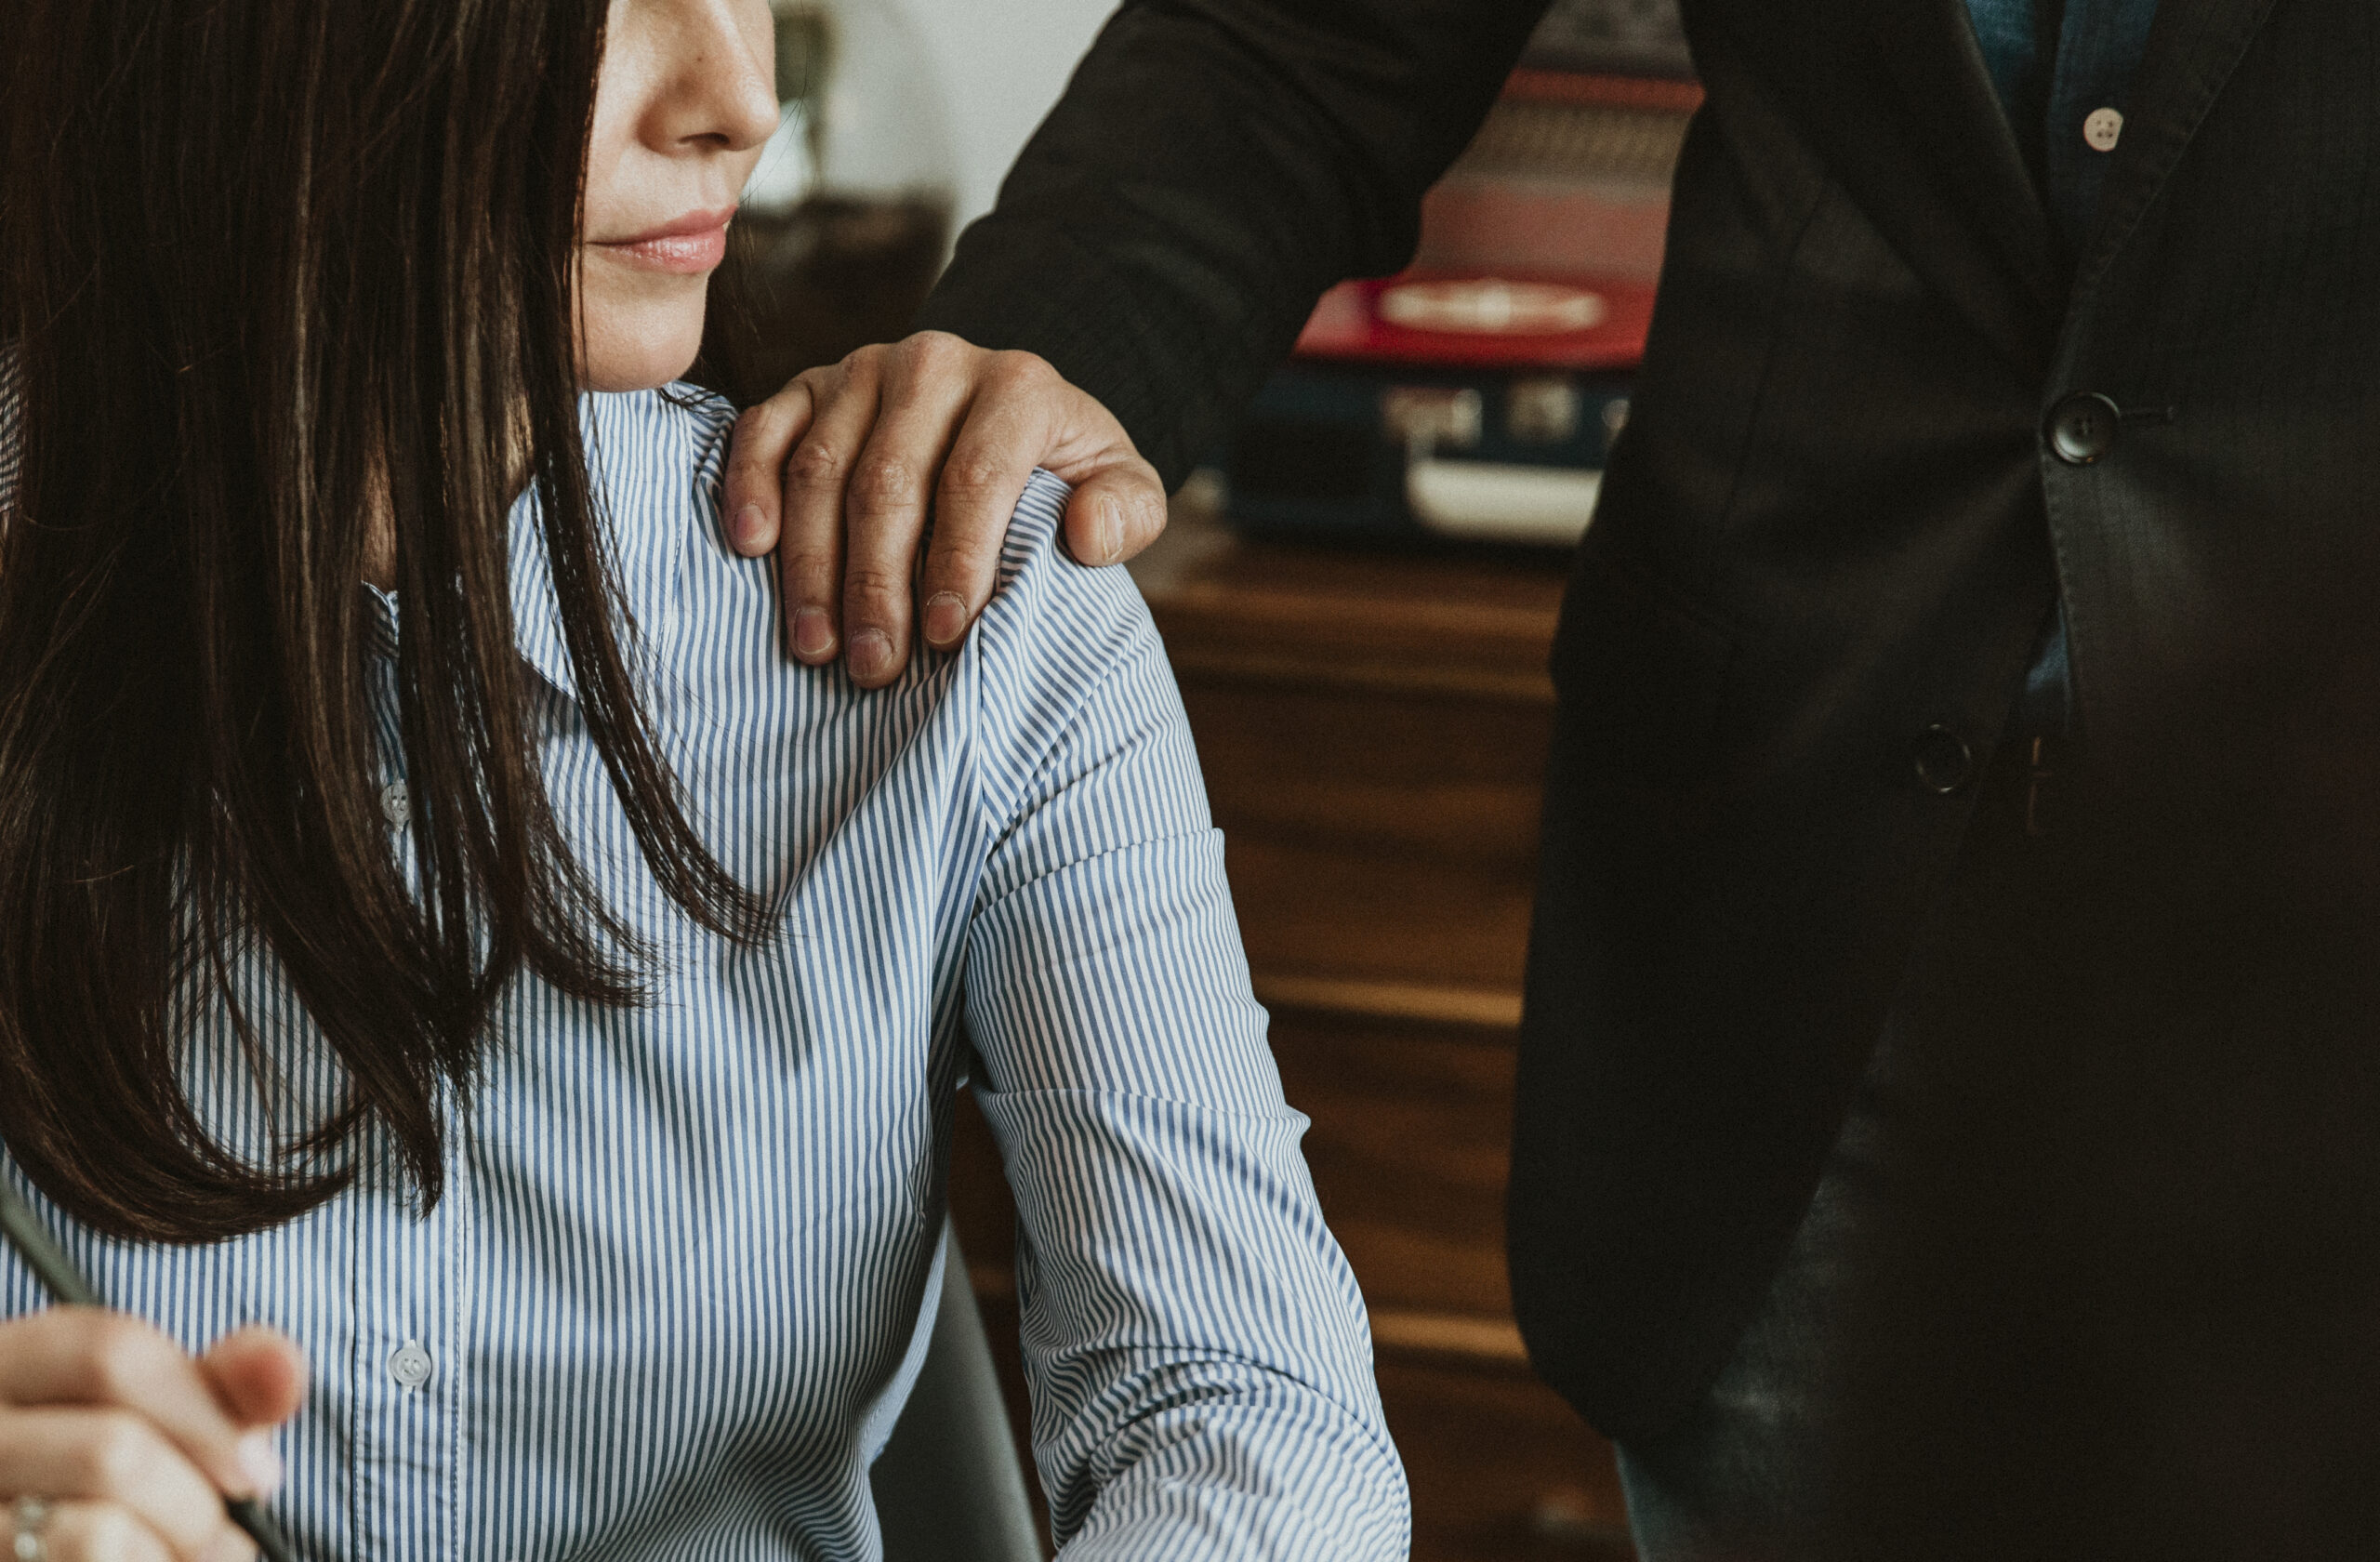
[[671, 1303]]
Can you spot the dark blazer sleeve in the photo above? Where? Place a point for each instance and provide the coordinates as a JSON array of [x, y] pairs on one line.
[[1213, 167]]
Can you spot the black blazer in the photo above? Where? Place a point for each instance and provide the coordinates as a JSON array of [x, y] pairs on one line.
[[1833, 527]]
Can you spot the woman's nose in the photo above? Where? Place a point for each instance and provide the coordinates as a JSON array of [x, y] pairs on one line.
[[722, 90]]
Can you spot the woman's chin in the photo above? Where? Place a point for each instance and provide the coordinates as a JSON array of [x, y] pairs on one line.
[[638, 359]]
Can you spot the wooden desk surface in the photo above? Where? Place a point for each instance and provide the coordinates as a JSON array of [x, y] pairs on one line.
[[1404, 623]]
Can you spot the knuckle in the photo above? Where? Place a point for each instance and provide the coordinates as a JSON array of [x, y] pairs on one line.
[[812, 572], [1019, 370], [868, 587], [864, 361], [756, 422], [884, 483], [816, 464], [931, 350], [807, 556], [976, 475]]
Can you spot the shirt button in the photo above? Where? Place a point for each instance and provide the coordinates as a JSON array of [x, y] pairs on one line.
[[410, 1365], [2103, 129], [397, 804]]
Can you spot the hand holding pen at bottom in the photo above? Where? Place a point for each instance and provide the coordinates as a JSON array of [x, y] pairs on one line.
[[117, 1445]]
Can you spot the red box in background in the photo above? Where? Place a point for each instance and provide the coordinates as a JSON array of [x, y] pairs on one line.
[[1474, 397]]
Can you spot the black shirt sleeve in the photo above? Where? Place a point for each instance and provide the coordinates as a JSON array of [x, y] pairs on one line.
[[1213, 167]]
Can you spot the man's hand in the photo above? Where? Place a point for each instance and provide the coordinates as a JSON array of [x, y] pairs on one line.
[[864, 446]]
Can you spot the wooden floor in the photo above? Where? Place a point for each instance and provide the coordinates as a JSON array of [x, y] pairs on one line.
[[1374, 733]]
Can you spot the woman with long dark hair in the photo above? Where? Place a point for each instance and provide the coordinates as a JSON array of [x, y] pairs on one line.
[[493, 1019]]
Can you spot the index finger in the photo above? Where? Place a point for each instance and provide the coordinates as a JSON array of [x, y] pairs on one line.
[[81, 1355], [765, 435]]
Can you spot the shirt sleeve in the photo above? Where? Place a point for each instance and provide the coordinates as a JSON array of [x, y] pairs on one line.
[[1215, 166], [1196, 1347]]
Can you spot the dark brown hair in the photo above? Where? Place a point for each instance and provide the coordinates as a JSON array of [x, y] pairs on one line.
[[269, 264]]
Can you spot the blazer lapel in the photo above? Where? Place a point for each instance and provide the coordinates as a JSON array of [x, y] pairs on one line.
[[2193, 47], [1953, 117], [1894, 97]]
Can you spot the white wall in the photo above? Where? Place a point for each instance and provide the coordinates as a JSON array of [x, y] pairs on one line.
[[1000, 64]]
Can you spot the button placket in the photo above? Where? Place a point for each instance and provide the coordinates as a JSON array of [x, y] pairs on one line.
[[410, 1367], [404, 1359]]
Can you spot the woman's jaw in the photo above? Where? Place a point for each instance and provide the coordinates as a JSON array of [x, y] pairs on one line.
[[642, 299]]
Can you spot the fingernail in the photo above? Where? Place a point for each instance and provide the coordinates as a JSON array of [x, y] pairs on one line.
[[946, 616], [260, 1462], [745, 531], [871, 653], [814, 635], [1111, 530]]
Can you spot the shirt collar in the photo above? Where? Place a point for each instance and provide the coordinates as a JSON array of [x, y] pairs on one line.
[[642, 485], [647, 484], [536, 616]]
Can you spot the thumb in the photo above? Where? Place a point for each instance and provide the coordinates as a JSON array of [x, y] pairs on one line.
[[1114, 513], [258, 1375]]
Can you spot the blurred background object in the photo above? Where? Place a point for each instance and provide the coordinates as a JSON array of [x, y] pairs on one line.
[[847, 220], [1473, 398], [1001, 64], [1618, 38]]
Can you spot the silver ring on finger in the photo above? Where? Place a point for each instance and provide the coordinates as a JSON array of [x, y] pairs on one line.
[[30, 1542]]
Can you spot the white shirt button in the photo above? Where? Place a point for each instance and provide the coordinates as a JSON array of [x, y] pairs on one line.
[[411, 1365], [2103, 129], [397, 804]]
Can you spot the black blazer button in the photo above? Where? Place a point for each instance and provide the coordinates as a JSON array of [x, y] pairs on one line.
[[2083, 428], [1942, 759]]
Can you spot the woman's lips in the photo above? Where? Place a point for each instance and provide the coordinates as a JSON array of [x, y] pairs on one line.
[[692, 244]]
